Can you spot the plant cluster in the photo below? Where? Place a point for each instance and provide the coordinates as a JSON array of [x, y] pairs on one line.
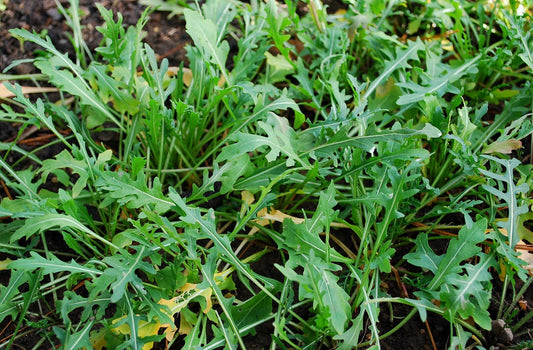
[[378, 145]]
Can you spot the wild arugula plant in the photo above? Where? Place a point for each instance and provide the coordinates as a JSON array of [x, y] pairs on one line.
[[328, 138]]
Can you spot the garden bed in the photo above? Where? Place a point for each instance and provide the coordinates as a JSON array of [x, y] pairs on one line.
[[319, 174]]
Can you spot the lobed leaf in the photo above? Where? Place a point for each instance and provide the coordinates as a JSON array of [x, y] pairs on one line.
[[204, 34], [52, 265]]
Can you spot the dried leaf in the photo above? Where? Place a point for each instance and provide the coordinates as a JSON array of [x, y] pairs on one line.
[[5, 93], [505, 147]]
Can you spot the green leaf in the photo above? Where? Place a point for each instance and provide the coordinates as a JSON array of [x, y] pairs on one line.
[[461, 248], [438, 85], [523, 232], [251, 311], [134, 193], [341, 139], [351, 336], [464, 289], [262, 109], [91, 307], [324, 214], [280, 139], [52, 265], [299, 240], [123, 271], [78, 87], [278, 24], [520, 30], [279, 67], [509, 196], [36, 109], [424, 256], [7, 306], [80, 339], [62, 58], [237, 167], [204, 227], [25, 182], [208, 272], [470, 294], [400, 61], [65, 160], [319, 284], [45, 222], [132, 324], [109, 89], [204, 34]]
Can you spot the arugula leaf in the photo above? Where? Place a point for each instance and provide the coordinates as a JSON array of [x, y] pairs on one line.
[[459, 249], [368, 142], [134, 193], [36, 109], [76, 340], [72, 301], [469, 295], [438, 85], [204, 34], [400, 61], [62, 58], [7, 306], [462, 288], [278, 23], [263, 105], [24, 181], [52, 265], [129, 325], [424, 256], [280, 138], [44, 222], [319, 284], [122, 271], [66, 160], [509, 196], [78, 87], [255, 309], [112, 90], [208, 272]]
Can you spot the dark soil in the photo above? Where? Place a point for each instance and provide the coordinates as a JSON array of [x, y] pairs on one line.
[[168, 38]]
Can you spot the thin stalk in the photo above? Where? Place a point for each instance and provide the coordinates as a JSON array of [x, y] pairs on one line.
[[522, 321], [435, 310], [517, 297], [502, 298], [251, 326], [26, 304], [37, 76]]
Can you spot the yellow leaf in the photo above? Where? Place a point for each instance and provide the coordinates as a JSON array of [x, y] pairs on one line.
[[187, 76], [505, 147], [384, 89], [123, 329], [98, 339], [4, 263], [146, 329], [185, 326], [447, 45], [188, 292]]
